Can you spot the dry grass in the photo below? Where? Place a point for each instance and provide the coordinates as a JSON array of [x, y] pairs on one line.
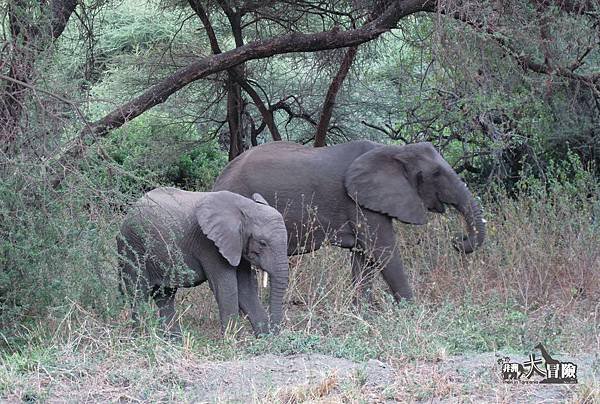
[[308, 392]]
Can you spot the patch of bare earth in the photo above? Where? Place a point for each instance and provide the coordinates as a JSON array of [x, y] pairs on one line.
[[303, 378]]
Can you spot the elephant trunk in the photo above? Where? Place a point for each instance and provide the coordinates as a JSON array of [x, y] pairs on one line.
[[475, 224], [279, 284]]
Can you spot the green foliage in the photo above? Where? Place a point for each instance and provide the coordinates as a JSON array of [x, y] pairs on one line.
[[567, 179], [59, 247], [154, 151], [464, 93], [197, 169], [133, 27], [54, 251]]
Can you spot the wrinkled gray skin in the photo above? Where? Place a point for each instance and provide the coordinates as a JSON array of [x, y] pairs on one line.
[[354, 190], [173, 238]]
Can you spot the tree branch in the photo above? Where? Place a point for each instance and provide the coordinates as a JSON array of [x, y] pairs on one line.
[[294, 42], [332, 92], [592, 80], [267, 115], [282, 105], [210, 32], [61, 12], [569, 6], [29, 36]]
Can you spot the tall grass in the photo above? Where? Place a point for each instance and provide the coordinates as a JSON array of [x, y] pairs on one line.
[[537, 274], [536, 279]]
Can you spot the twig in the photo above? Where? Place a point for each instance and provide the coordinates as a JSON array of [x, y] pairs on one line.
[[51, 94]]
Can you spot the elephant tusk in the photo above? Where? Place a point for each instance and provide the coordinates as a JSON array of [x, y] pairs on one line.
[[265, 280]]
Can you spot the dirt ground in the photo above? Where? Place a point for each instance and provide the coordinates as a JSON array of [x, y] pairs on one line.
[[306, 378], [318, 377]]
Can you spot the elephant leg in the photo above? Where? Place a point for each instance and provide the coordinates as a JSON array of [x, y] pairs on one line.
[[223, 282], [379, 243], [132, 284], [248, 298], [138, 294], [363, 271], [393, 273], [165, 300]]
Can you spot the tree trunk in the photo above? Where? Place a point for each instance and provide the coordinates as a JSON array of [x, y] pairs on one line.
[[235, 111], [214, 45], [235, 102], [329, 103], [13, 99], [266, 113], [31, 32]]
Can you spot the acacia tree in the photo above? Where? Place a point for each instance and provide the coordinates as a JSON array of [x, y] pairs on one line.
[[540, 59], [263, 29], [201, 68], [512, 84], [236, 76], [280, 17]]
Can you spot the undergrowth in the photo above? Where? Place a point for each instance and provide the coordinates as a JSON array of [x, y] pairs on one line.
[[536, 279]]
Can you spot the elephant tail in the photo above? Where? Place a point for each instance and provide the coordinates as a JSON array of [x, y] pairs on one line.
[[129, 264]]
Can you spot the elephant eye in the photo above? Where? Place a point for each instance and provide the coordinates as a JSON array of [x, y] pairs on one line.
[[437, 173], [262, 243]]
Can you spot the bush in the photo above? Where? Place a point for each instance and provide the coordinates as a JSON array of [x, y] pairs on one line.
[[55, 249], [152, 151], [58, 247]]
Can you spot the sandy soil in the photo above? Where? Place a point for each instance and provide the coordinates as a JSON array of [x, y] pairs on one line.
[[304, 378]]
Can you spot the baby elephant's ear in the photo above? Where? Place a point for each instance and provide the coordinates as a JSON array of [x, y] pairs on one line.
[[220, 218], [258, 198]]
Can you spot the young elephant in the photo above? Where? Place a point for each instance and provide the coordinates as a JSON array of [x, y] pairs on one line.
[[173, 238]]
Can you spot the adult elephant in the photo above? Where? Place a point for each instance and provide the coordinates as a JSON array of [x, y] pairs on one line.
[[349, 194]]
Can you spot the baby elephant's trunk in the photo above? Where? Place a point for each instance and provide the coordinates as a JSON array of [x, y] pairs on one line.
[[279, 284]]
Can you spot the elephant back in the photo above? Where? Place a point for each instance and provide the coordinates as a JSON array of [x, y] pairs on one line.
[[287, 168], [163, 210], [306, 185]]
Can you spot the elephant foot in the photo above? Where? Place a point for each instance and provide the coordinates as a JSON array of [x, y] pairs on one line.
[[261, 329], [173, 334]]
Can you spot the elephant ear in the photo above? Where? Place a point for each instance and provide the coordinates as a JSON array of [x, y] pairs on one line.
[[220, 218], [378, 181]]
